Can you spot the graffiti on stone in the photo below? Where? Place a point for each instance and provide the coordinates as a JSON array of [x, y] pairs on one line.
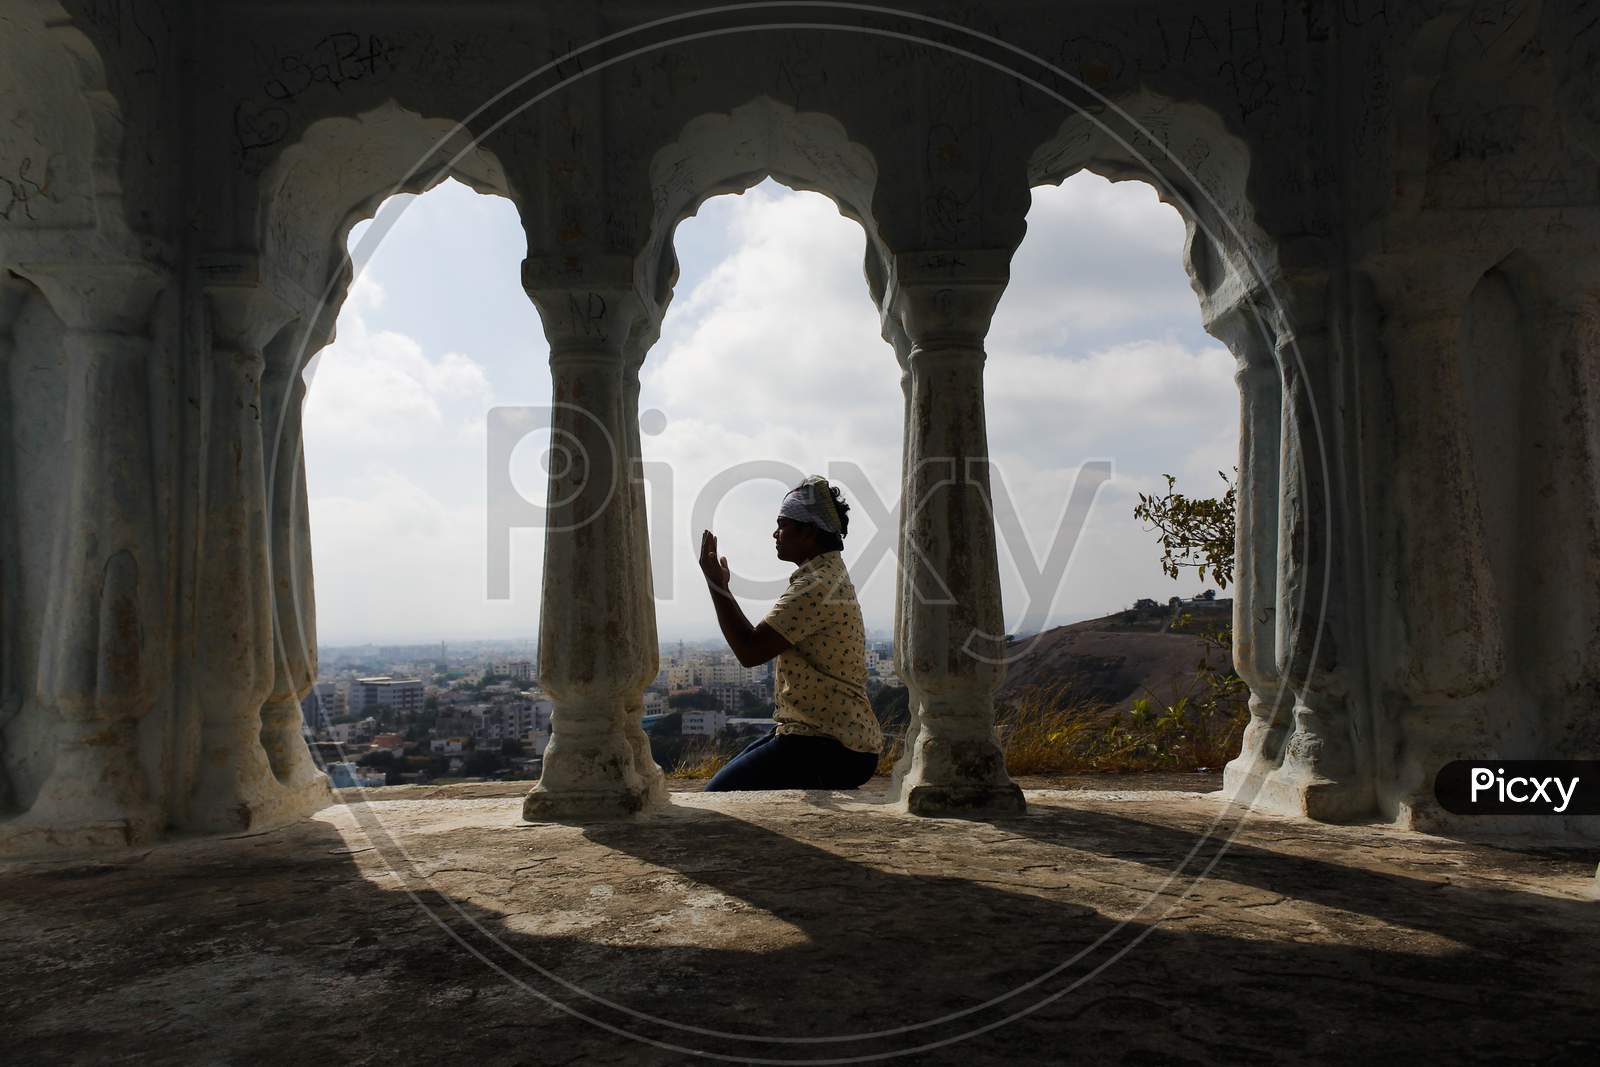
[[21, 189], [336, 59], [1481, 133]]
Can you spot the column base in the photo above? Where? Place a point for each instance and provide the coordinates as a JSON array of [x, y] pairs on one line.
[[957, 776], [287, 753], [306, 794], [591, 775], [1281, 791], [1261, 750], [239, 810], [583, 805], [29, 835], [1312, 773], [94, 798], [945, 800], [237, 790], [645, 766]]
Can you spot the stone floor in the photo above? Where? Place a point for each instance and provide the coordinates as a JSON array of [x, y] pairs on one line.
[[1131, 922]]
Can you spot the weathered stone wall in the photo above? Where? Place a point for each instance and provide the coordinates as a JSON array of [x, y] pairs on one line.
[[1390, 215]]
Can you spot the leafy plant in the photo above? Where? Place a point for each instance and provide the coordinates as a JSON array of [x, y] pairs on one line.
[[1193, 533]]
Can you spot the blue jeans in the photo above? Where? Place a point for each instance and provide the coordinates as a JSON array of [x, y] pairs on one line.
[[794, 761]]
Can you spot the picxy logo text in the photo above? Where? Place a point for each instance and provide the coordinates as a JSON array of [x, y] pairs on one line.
[[1519, 787]]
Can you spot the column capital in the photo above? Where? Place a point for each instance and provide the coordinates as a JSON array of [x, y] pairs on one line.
[[1261, 316], [588, 304], [1420, 284], [246, 312], [945, 298], [102, 296]]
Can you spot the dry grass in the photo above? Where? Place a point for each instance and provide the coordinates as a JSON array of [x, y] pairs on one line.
[[701, 761], [1044, 734], [890, 754]]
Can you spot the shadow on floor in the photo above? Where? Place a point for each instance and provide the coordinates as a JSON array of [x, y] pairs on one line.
[[1009, 932]]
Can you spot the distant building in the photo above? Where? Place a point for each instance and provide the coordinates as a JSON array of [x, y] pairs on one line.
[[404, 695], [353, 732], [731, 672], [655, 702], [730, 696], [520, 670], [395, 743], [460, 721], [532, 715], [704, 723], [321, 706]]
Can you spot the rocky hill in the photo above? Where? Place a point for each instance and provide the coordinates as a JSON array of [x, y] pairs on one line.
[[1149, 650]]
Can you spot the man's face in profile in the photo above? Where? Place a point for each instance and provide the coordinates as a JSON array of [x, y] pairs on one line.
[[796, 541]]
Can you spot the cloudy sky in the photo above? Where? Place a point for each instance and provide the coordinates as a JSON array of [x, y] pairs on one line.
[[769, 365]]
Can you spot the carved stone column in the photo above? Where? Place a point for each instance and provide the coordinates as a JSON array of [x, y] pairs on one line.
[[952, 627], [1250, 336], [294, 630], [1441, 642], [104, 645], [643, 614], [1561, 472], [1498, 594], [234, 670], [591, 631], [902, 600], [1325, 771]]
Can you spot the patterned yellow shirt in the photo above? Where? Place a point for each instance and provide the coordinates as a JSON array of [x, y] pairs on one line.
[[821, 682]]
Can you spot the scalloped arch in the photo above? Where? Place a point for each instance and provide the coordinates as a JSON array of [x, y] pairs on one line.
[[1188, 153], [729, 152], [339, 173]]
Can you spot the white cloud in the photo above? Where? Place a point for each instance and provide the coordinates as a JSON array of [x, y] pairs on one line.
[[396, 562], [394, 454], [377, 388], [772, 355], [770, 352], [1102, 263]]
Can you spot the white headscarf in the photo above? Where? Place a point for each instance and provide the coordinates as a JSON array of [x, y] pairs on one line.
[[812, 502]]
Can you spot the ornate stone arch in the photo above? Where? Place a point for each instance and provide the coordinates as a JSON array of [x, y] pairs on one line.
[[729, 152], [272, 306], [338, 174], [1264, 295], [1193, 159]]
